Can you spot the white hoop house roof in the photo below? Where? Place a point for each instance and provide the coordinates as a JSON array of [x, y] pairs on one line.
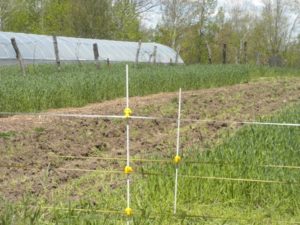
[[40, 48]]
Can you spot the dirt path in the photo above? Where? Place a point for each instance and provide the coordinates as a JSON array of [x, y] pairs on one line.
[[32, 141]]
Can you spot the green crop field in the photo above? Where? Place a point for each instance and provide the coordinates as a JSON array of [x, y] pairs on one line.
[[248, 154], [229, 173], [45, 88]]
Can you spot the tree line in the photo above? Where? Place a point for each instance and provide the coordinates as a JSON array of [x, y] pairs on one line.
[[108, 19], [198, 29]]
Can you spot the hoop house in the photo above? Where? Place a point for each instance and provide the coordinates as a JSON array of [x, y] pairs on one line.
[[40, 48]]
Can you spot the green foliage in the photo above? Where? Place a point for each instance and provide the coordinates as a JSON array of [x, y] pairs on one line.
[[57, 18], [269, 32], [6, 135], [186, 25], [79, 18], [125, 21], [24, 214], [22, 17], [75, 85], [91, 18], [243, 155]]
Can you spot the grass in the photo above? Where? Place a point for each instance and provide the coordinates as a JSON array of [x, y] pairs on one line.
[[7, 135], [242, 155], [44, 87]]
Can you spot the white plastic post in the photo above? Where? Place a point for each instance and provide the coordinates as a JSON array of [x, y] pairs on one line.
[[127, 87], [177, 152], [128, 164], [127, 141], [178, 123]]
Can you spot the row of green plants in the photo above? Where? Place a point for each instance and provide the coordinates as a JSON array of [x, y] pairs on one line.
[[76, 85], [244, 154]]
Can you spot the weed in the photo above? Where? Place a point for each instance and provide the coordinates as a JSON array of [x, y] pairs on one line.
[[7, 135]]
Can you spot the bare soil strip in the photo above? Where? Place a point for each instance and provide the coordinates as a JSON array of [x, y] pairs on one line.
[[32, 141]]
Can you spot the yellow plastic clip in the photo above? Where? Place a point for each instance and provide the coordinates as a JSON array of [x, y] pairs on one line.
[[177, 159], [128, 211], [127, 113], [128, 170]]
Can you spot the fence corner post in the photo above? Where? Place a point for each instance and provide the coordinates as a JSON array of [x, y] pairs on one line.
[[154, 54], [96, 55], [224, 53], [138, 53], [18, 55], [56, 51]]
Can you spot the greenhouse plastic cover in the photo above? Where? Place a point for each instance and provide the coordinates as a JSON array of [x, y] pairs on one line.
[[39, 48]]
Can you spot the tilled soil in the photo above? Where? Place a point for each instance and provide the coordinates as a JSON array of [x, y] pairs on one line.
[[29, 145]]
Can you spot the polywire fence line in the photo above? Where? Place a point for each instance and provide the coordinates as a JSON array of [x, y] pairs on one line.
[[247, 180], [71, 115], [140, 212], [113, 159], [91, 170], [87, 116], [105, 211], [127, 116], [153, 215], [188, 176], [166, 161], [146, 173]]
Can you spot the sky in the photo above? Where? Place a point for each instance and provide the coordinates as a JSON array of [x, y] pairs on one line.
[[151, 19], [257, 3]]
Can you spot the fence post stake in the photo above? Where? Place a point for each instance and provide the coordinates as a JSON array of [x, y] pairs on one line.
[[128, 169], [56, 51], [258, 58], [18, 55], [108, 62], [245, 52], [224, 53], [209, 53], [138, 53], [177, 53], [177, 158], [154, 54], [96, 55], [237, 56]]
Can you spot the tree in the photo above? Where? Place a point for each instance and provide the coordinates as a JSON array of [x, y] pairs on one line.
[[237, 30], [194, 26], [203, 11], [57, 18], [24, 16], [142, 6], [91, 18], [176, 17], [5, 9], [184, 24], [273, 25], [126, 22]]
